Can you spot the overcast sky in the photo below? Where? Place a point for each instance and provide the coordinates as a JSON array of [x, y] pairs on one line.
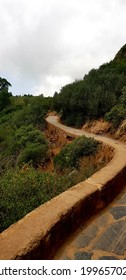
[[46, 44]]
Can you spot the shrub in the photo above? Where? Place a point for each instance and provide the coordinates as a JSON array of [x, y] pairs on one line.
[[34, 153], [71, 153], [28, 134], [23, 190], [116, 115], [21, 146]]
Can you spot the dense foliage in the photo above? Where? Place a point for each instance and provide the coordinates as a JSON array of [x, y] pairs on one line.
[[94, 96], [118, 112], [23, 190], [71, 153], [21, 126], [4, 93]]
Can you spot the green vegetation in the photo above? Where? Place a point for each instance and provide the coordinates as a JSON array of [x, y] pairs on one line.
[[118, 112], [100, 92], [4, 94], [23, 190], [21, 131], [71, 153], [32, 145]]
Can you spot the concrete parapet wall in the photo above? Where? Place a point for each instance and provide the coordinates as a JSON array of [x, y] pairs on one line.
[[39, 233], [58, 134]]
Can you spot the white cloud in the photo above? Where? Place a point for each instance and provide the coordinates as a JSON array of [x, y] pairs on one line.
[[51, 83], [48, 43]]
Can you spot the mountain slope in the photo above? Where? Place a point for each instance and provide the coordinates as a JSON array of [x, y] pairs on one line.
[[100, 91]]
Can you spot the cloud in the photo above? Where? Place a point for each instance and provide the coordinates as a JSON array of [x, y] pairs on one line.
[[48, 43]]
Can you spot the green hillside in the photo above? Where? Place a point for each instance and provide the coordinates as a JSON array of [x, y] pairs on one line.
[[101, 93]]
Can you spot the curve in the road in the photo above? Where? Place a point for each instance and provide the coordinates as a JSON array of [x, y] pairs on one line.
[[39, 233], [113, 168]]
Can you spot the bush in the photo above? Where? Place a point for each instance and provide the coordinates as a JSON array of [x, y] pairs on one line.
[[23, 190], [27, 134], [71, 153], [116, 115], [21, 146], [34, 153]]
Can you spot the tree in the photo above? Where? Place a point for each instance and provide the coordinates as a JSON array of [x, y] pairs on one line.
[[4, 93]]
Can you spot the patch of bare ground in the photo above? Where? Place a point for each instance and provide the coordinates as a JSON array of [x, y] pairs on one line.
[[102, 127]]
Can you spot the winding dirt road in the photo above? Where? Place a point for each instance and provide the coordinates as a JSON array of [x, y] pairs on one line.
[[104, 235], [113, 167]]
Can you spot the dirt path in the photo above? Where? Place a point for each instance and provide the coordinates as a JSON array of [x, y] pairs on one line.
[[119, 159]]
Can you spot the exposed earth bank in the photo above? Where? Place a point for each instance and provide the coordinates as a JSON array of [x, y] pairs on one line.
[[104, 128]]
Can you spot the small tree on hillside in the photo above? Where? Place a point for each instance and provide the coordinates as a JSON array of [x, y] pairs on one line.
[[4, 94]]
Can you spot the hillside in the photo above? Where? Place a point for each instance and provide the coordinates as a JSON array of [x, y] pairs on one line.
[[100, 94], [26, 153], [121, 54]]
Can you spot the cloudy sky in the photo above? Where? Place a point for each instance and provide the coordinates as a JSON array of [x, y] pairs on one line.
[[46, 44]]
